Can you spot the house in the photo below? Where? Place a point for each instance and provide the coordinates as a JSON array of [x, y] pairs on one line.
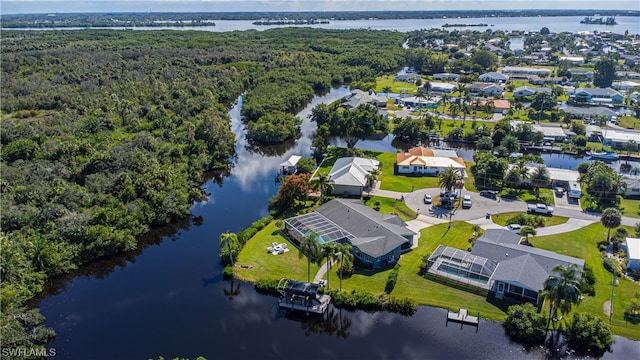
[[289, 166], [589, 111], [442, 87], [526, 91], [632, 186], [446, 76], [418, 102], [632, 248], [377, 239], [500, 264], [618, 139], [536, 80], [410, 77], [576, 60], [494, 77], [519, 71], [424, 161], [359, 97], [551, 133], [485, 89], [559, 177], [625, 85], [598, 96], [581, 74], [499, 106], [628, 75], [350, 175]]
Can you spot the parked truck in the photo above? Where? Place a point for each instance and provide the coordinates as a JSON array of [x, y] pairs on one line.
[[540, 209]]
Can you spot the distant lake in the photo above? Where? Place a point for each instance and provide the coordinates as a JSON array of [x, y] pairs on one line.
[[554, 23]]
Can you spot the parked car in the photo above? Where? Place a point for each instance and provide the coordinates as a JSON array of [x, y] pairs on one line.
[[514, 227], [466, 201], [444, 193], [489, 193], [539, 209], [427, 199]]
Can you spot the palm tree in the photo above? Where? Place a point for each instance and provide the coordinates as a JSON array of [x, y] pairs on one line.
[[309, 247], [346, 259], [461, 89], [325, 185], [562, 291], [427, 87], [444, 100], [230, 240], [611, 218], [528, 230], [372, 178], [448, 178], [540, 178], [523, 169], [387, 90], [329, 252]]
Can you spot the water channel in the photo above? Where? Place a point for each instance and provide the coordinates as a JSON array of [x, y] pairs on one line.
[[168, 297]]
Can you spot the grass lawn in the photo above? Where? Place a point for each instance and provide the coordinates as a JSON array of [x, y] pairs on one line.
[[262, 265], [501, 219], [583, 244], [396, 86], [527, 195], [392, 206], [629, 122], [336, 153], [401, 183], [630, 207]]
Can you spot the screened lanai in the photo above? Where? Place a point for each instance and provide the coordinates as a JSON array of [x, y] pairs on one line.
[[327, 230], [461, 265]]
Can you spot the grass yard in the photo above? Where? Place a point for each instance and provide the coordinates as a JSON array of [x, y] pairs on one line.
[[254, 262], [396, 86], [583, 244], [401, 183], [501, 219], [527, 195], [630, 207], [392, 206], [628, 122]]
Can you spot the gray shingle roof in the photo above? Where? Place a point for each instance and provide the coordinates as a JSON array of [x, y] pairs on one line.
[[522, 269], [501, 236], [598, 91]]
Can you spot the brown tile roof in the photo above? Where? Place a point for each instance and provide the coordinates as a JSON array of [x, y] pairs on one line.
[[421, 151]]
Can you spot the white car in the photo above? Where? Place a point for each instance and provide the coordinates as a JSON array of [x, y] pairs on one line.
[[427, 199], [466, 201], [514, 227]]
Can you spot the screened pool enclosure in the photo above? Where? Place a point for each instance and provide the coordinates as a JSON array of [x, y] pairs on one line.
[[461, 266]]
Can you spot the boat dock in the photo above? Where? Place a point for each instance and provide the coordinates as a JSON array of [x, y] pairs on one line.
[[302, 296], [463, 317]]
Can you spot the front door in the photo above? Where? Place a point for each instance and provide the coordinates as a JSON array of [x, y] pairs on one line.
[[500, 288]]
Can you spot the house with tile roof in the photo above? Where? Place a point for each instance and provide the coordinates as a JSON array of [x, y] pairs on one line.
[[424, 161]]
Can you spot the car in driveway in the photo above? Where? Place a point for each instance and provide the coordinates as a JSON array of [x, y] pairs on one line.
[[427, 199], [489, 193], [466, 201], [444, 193], [514, 227]]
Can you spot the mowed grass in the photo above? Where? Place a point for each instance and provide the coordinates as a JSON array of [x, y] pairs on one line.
[[630, 207], [501, 219], [528, 196], [401, 183], [396, 86], [392, 206], [628, 122], [583, 243], [254, 262]]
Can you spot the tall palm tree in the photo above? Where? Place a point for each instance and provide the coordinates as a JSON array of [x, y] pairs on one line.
[[230, 240], [448, 178], [329, 252], [444, 100], [540, 178], [346, 259], [610, 218], [387, 90], [309, 247], [461, 89], [562, 290], [372, 178], [325, 185], [427, 87]]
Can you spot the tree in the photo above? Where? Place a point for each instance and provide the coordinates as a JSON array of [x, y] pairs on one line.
[[528, 230], [511, 143], [631, 146], [309, 247], [329, 251], [295, 187], [636, 229], [325, 186], [544, 31], [562, 291], [230, 241], [346, 260], [485, 59], [386, 90], [513, 178], [588, 333], [372, 177], [604, 72], [611, 218], [540, 178], [448, 178], [618, 238], [484, 143], [603, 181], [525, 324]]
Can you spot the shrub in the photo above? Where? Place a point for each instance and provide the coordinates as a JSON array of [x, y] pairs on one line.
[[391, 281], [404, 306], [266, 286], [588, 333], [424, 263], [588, 281], [521, 219], [525, 324], [227, 273], [356, 299], [632, 311], [245, 234], [611, 266], [261, 223]]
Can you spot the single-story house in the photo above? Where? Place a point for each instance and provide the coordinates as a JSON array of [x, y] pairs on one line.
[[494, 77], [499, 263], [358, 97], [559, 177], [499, 106], [410, 77], [417, 102], [290, 165], [536, 80], [624, 85], [573, 59], [551, 133], [421, 160], [521, 71], [597, 96], [350, 175], [618, 139], [581, 74], [446, 76], [377, 239], [627, 75], [526, 91], [442, 87], [632, 247], [589, 111], [633, 185], [486, 89]]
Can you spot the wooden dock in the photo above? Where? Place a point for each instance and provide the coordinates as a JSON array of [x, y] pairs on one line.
[[463, 317], [302, 296]]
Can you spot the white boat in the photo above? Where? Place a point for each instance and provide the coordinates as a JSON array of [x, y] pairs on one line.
[[605, 155]]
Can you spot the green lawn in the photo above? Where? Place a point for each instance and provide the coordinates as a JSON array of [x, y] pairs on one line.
[[401, 183], [501, 219], [630, 207], [392, 206], [583, 244], [254, 262], [396, 86], [629, 122], [527, 195]]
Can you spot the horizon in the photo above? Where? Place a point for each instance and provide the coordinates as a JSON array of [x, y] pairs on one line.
[[14, 7]]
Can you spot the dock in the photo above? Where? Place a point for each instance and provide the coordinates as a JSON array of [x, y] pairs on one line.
[[302, 296], [463, 317]]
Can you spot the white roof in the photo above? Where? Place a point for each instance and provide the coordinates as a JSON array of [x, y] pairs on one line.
[[551, 131], [621, 136], [352, 171], [633, 247], [292, 161], [555, 173], [442, 85]]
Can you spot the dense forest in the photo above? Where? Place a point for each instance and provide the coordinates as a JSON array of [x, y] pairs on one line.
[[106, 134]]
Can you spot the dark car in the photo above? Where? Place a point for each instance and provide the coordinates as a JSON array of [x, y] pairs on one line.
[[489, 193]]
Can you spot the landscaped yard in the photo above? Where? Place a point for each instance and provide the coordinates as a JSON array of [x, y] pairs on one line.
[[401, 183], [528, 196], [392, 206], [396, 86], [583, 244], [630, 207], [501, 219]]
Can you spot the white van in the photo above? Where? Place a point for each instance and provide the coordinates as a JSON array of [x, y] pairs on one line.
[[574, 190]]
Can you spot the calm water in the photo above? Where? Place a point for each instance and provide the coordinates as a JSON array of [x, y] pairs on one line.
[[554, 23], [168, 298]]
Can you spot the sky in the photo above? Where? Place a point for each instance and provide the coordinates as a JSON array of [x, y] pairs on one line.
[[65, 6]]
